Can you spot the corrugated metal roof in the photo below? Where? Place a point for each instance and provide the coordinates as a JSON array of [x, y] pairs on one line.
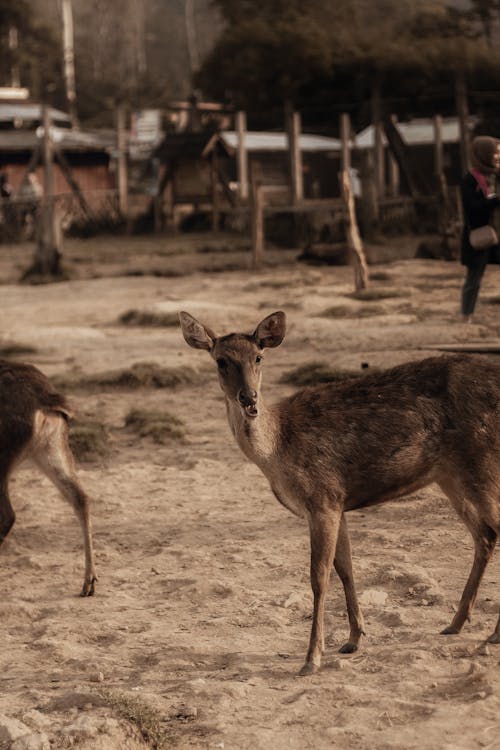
[[416, 132], [65, 138], [10, 111], [262, 141]]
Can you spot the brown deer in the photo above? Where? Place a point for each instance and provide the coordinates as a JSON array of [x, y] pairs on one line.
[[338, 447], [34, 424]]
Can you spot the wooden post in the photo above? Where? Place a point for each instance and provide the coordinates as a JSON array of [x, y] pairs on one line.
[[257, 220], [353, 236], [242, 156], [293, 129], [378, 147], [215, 191], [48, 234], [437, 123], [122, 162], [46, 261], [463, 116], [345, 137], [394, 177]]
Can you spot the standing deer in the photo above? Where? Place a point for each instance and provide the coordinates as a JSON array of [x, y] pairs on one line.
[[338, 447], [34, 424]]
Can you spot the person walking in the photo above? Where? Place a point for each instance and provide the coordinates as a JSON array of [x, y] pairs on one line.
[[479, 201]]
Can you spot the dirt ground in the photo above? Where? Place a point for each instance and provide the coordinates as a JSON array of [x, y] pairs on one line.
[[202, 611]]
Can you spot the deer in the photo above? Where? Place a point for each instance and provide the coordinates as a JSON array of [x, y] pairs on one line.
[[337, 447], [34, 421]]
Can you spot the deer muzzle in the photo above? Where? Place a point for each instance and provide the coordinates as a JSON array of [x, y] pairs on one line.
[[248, 400]]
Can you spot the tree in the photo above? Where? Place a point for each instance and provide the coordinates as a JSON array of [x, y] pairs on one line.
[[36, 42]]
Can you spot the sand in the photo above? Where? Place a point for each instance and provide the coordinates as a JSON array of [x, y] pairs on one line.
[[201, 616]]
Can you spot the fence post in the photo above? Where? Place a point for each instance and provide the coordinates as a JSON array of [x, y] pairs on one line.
[[242, 156], [293, 128], [122, 162], [257, 220], [353, 236], [394, 177]]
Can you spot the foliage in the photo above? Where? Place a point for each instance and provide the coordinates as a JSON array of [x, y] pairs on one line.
[[36, 42], [332, 57]]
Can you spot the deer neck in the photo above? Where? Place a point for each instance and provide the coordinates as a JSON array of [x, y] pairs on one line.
[[256, 437]]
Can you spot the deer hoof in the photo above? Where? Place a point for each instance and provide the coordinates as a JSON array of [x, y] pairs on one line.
[[494, 638], [308, 668], [450, 630], [88, 587], [348, 648]]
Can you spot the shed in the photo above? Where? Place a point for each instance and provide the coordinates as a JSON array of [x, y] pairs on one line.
[[419, 137]]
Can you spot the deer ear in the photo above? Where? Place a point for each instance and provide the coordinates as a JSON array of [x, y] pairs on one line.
[[271, 331], [195, 333]]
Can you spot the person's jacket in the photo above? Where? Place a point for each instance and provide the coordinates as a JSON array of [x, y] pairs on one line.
[[477, 209]]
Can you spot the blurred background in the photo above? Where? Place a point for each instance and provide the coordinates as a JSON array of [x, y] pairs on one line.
[[163, 113]]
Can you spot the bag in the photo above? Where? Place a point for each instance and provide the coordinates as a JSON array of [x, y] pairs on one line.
[[483, 237]]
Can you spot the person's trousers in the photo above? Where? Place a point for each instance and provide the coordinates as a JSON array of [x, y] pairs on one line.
[[470, 289]]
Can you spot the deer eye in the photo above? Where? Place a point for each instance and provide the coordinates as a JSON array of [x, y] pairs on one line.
[[258, 359], [221, 363]]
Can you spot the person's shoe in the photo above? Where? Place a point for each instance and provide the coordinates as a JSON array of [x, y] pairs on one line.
[[467, 319]]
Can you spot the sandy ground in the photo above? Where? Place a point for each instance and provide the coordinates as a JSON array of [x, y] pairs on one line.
[[201, 616]]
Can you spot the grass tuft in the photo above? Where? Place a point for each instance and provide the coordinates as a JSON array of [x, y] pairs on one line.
[[16, 350], [145, 318], [344, 311], [88, 440], [371, 295], [146, 718], [161, 427], [140, 375]]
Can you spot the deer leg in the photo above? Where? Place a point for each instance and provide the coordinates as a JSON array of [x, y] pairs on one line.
[[323, 529], [51, 452], [484, 539], [343, 566], [7, 515]]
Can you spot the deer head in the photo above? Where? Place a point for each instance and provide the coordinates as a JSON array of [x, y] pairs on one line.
[[238, 356]]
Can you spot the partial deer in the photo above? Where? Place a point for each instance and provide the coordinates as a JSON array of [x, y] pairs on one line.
[[34, 424], [338, 447]]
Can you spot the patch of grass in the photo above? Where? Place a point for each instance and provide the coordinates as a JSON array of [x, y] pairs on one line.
[[16, 350], [380, 276], [315, 373], [161, 427], [344, 311], [88, 440], [145, 318], [146, 718], [140, 375], [223, 267], [371, 295], [266, 284]]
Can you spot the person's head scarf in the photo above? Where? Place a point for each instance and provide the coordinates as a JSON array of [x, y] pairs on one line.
[[483, 150]]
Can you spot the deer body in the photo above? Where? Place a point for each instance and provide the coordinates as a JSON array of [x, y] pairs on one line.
[[337, 447], [34, 424]]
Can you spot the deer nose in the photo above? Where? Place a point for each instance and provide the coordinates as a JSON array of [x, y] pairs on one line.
[[247, 397]]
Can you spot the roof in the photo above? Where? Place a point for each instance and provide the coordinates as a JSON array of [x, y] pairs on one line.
[[29, 112], [66, 138], [263, 141], [416, 132]]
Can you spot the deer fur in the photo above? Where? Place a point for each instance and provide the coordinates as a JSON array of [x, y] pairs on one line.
[[34, 424], [338, 447]]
